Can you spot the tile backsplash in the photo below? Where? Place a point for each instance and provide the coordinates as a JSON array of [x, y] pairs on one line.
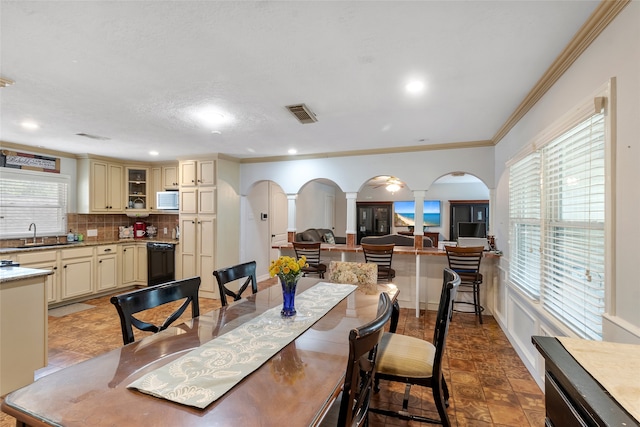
[[107, 226]]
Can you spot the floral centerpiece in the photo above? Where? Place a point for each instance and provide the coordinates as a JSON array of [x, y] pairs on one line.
[[289, 271]]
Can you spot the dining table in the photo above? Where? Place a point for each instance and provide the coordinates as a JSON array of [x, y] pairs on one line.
[[294, 387]]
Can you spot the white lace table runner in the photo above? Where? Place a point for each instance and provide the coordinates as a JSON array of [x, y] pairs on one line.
[[205, 374]]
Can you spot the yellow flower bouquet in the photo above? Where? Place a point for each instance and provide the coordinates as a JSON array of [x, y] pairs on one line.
[[288, 270]]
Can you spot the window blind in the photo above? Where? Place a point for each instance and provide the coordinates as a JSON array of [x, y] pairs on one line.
[[557, 226], [573, 252], [524, 214], [32, 197]]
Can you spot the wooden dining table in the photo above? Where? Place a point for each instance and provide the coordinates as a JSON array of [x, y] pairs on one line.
[[295, 387]]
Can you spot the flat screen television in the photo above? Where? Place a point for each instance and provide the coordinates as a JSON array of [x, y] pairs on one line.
[[472, 229], [404, 213]]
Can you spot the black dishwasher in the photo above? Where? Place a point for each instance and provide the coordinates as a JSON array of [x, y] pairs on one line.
[[160, 263]]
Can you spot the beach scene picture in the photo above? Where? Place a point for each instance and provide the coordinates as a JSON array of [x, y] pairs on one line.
[[404, 213]]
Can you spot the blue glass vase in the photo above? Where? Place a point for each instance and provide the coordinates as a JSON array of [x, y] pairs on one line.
[[288, 297]]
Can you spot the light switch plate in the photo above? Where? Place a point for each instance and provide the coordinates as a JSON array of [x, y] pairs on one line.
[[92, 233]]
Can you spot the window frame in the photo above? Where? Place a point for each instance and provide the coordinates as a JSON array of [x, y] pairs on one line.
[[602, 100]]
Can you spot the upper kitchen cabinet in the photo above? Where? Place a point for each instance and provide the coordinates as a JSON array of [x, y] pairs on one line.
[[100, 186], [170, 177], [194, 173], [137, 190]]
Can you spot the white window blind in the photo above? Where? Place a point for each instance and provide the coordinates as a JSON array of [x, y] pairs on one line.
[[524, 213], [574, 181], [557, 226], [32, 197]]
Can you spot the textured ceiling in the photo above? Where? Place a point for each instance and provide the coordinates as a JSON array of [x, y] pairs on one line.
[[139, 72]]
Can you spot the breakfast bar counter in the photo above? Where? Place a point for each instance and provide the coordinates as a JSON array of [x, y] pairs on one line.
[[418, 271]]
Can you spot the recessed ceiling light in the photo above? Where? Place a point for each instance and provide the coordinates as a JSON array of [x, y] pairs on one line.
[[216, 132], [415, 87], [153, 153], [251, 150], [29, 125], [210, 116], [292, 151]]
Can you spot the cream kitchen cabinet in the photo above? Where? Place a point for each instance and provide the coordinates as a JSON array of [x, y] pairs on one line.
[[133, 264], [77, 272], [138, 199], [209, 212], [44, 260], [107, 267], [198, 249], [193, 173], [170, 177], [100, 186]]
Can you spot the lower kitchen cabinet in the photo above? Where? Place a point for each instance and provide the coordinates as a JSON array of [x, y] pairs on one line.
[[77, 272], [134, 264], [44, 260], [197, 251], [107, 267]]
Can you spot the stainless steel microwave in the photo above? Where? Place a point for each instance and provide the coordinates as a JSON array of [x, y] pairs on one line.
[[167, 200]]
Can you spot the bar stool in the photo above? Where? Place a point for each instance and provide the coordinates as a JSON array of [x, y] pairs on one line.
[[466, 262]]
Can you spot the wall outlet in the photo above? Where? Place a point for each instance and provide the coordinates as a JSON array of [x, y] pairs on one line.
[[165, 230], [92, 233]]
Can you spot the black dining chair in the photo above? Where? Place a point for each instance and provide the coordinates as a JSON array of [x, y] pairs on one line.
[[466, 262], [381, 255], [414, 361], [139, 300], [352, 406], [310, 250], [224, 276]]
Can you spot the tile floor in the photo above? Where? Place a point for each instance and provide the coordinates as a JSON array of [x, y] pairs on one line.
[[488, 383]]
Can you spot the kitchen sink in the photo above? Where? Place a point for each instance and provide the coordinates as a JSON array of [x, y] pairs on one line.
[[43, 245]]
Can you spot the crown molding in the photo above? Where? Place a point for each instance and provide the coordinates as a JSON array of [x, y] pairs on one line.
[[602, 16]]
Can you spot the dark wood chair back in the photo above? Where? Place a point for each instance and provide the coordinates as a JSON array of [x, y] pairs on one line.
[[311, 250], [363, 350], [395, 363], [143, 299], [230, 274], [383, 256]]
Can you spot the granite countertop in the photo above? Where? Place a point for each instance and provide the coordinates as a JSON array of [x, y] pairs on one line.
[[10, 274], [53, 246]]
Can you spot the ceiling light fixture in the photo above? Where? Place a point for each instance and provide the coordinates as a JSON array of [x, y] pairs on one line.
[[153, 153], [393, 184], [414, 87], [292, 151], [29, 125]]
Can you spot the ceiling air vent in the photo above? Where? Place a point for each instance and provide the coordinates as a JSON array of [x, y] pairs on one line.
[[302, 113], [98, 137]]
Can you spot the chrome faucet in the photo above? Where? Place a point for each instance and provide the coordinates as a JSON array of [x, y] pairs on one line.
[[34, 231]]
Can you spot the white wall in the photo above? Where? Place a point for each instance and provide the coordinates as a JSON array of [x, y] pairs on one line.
[[615, 53]]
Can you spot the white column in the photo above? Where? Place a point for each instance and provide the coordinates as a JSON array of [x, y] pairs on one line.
[[291, 212], [351, 213], [418, 196], [418, 232]]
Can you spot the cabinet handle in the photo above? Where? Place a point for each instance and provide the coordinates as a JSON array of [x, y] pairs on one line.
[[55, 268], [64, 266], [100, 262], [192, 181], [108, 250]]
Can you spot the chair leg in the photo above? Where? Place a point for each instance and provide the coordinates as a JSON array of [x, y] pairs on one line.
[[476, 298], [440, 404], [445, 392]]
